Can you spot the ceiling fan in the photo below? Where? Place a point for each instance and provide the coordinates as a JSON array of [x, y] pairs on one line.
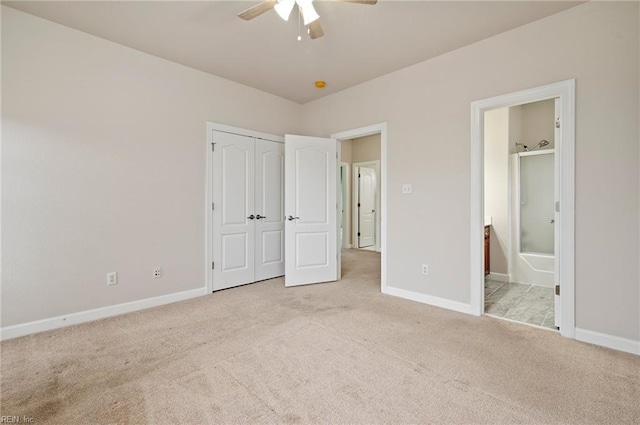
[[284, 8]]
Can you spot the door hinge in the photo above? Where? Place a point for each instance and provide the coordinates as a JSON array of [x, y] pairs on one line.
[[358, 175], [558, 206], [358, 204], [358, 233], [557, 122], [558, 290], [213, 206], [213, 147], [213, 265]]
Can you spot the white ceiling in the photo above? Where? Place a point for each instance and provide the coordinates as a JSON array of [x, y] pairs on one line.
[[361, 42]]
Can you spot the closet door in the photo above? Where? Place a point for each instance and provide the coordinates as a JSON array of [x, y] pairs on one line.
[[234, 212], [269, 204]]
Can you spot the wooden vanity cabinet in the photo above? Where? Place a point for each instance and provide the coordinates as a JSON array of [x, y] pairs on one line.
[[487, 249]]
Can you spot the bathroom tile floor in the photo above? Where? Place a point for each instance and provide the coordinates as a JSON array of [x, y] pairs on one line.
[[520, 302]]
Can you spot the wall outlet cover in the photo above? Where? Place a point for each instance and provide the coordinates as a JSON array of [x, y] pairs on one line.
[[112, 278]]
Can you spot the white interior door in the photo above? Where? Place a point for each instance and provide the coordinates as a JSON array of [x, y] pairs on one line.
[[233, 250], [557, 224], [366, 207], [269, 209], [311, 205]]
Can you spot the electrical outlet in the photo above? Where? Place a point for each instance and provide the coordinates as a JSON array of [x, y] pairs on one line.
[[157, 273], [425, 269], [407, 188], [112, 278]]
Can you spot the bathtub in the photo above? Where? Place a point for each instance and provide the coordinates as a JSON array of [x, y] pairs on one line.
[[534, 268]]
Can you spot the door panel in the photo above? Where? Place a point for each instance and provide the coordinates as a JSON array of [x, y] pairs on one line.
[[269, 206], [366, 210], [311, 204], [312, 172], [235, 248], [312, 250], [233, 160]]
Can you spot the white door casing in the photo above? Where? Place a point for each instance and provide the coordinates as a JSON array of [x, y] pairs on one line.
[[366, 207], [234, 230], [311, 206], [269, 203], [345, 204]]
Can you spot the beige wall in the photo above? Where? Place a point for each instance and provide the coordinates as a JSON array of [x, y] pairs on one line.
[[366, 148], [426, 107], [103, 167], [347, 151], [496, 185], [361, 149], [103, 160], [515, 128], [533, 122]]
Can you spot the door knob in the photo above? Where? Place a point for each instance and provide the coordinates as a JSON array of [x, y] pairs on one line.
[[251, 217], [552, 220], [260, 216], [291, 218]]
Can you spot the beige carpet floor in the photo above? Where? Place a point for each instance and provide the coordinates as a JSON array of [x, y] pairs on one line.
[[336, 353]]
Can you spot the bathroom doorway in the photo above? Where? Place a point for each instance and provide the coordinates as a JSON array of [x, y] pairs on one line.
[[519, 198], [511, 181]]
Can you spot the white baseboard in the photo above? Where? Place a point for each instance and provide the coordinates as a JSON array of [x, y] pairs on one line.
[[609, 341], [23, 329], [500, 277], [429, 299]]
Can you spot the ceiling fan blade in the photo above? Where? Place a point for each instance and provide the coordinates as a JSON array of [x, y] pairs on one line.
[[371, 2], [257, 10], [315, 29]]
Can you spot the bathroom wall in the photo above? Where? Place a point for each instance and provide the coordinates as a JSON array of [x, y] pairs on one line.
[[531, 123], [496, 187]]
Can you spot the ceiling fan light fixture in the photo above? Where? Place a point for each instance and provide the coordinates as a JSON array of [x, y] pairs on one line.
[[284, 8], [308, 11]]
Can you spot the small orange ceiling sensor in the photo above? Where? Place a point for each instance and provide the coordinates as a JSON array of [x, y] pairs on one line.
[[320, 84]]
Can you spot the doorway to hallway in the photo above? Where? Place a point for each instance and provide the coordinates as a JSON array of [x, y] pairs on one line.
[[363, 147]]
